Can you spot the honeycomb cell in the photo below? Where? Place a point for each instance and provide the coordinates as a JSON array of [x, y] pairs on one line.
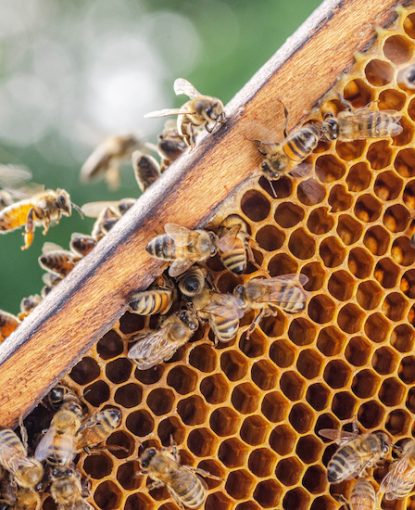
[[129, 395], [121, 444], [391, 99], [301, 418], [203, 357], [359, 177], [348, 229], [350, 318], [140, 423], [410, 400], [376, 240], [408, 25], [384, 360], [107, 495], [358, 93], [301, 331], [110, 345], [214, 388], [344, 405], [233, 365], [201, 442], [282, 439], [282, 353], [301, 245], [394, 306], [377, 327], [171, 429], [254, 346], [282, 187], [379, 155], [287, 214], [182, 379], [371, 414], [86, 371], [97, 393], [406, 371], [150, 376], [339, 199], [379, 72], [253, 430], [396, 218], [289, 471], [391, 392], [408, 284], [274, 407], [321, 309], [369, 294], [292, 385], [405, 162], [320, 221], [127, 475], [268, 493], [316, 275], [402, 338], [224, 421], [131, 322], [407, 134], [138, 501], [397, 49], [233, 453], [365, 383], [409, 195], [245, 398], [360, 263], [348, 151], [217, 501], [239, 484], [341, 285], [282, 264], [119, 370], [273, 326], [336, 374], [367, 208], [97, 466], [398, 422], [358, 351], [331, 252], [309, 363], [261, 462], [264, 374], [308, 449], [310, 192], [315, 479], [386, 273], [329, 168], [388, 186], [255, 205], [270, 238], [402, 252], [192, 410], [160, 401], [318, 396], [296, 498]]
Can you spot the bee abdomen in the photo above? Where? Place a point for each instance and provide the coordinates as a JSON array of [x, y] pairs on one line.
[[9, 439], [225, 329], [292, 299], [342, 465], [302, 143], [162, 247], [60, 264], [235, 261], [192, 497], [152, 301], [363, 496]]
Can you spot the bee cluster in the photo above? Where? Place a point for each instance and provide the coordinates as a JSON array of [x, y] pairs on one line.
[[287, 348]]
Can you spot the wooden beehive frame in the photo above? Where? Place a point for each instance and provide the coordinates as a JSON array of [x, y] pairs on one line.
[[95, 294]]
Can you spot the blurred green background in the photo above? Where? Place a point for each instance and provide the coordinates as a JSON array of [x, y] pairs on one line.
[[72, 73]]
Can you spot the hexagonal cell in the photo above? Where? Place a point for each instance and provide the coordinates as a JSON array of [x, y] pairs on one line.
[[409, 25], [391, 99], [365, 383], [410, 400], [391, 392], [394, 306], [411, 316], [120, 444], [398, 422], [282, 439], [388, 186], [397, 49], [301, 244], [192, 410], [376, 240], [274, 406], [384, 360], [233, 365], [182, 379], [216, 501], [282, 353], [273, 325], [288, 214], [248, 505], [379, 72], [341, 285], [309, 363], [270, 238], [224, 421], [347, 151], [405, 162], [316, 275], [409, 195], [138, 501], [406, 371], [326, 421], [371, 414], [261, 462], [239, 484], [349, 229], [402, 252], [110, 345], [336, 373], [331, 252], [282, 264], [119, 370], [350, 318], [318, 396], [203, 357], [128, 476], [402, 338], [232, 453], [310, 192], [289, 471], [282, 187], [319, 221], [214, 468], [360, 263], [160, 401], [315, 479], [268, 493], [301, 331], [309, 449], [97, 466], [358, 93], [140, 423], [377, 327], [254, 346], [131, 322], [301, 417], [150, 376], [201, 442], [408, 284], [367, 208], [85, 371], [255, 205], [226, 282], [396, 218], [329, 168], [339, 199], [129, 395], [359, 177], [171, 429], [107, 496], [296, 498], [214, 388], [379, 154], [97, 393], [323, 503], [344, 405], [321, 309], [245, 398], [292, 385], [264, 374], [369, 294], [386, 273], [253, 430], [358, 351]]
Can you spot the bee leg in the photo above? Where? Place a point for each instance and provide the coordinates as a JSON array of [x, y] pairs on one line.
[[173, 449], [112, 177], [23, 432], [29, 233], [46, 225], [155, 485], [254, 323], [344, 102], [203, 472], [341, 499]]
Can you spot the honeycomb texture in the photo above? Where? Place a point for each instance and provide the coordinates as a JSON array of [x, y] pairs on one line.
[[249, 411]]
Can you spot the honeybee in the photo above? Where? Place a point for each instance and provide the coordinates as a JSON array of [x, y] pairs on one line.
[[107, 214], [164, 468], [55, 259], [170, 145], [26, 471], [8, 323], [222, 311], [82, 244], [182, 246], [361, 124], [158, 299], [233, 244], [50, 280], [6, 199], [406, 77], [27, 499], [197, 113], [97, 428], [400, 479], [40, 209], [66, 489], [146, 169], [356, 453], [28, 304], [193, 281], [154, 347], [61, 396], [106, 159]]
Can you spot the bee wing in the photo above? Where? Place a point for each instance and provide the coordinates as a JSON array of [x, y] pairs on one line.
[[178, 233], [152, 348], [49, 247], [165, 113], [224, 305], [97, 162], [339, 436], [183, 86], [227, 240], [301, 170], [299, 277], [178, 267], [14, 175], [94, 209], [256, 131], [42, 449]]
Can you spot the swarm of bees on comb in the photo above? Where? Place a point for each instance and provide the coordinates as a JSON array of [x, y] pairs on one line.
[[271, 365]]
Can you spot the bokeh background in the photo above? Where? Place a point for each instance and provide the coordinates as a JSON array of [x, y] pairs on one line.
[[73, 72]]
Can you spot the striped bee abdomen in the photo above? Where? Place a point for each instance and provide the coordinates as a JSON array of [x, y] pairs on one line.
[[150, 302], [301, 143], [292, 299], [187, 488], [343, 465], [163, 247]]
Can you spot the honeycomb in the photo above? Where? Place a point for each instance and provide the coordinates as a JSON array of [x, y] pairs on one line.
[[249, 411]]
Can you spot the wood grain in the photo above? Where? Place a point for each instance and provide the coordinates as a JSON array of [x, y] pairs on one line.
[[94, 295]]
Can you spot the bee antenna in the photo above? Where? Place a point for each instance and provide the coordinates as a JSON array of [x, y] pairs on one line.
[[271, 185], [78, 210]]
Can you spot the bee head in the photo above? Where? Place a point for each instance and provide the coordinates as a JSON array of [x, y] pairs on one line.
[[146, 457], [272, 168], [214, 111], [384, 443], [66, 420], [29, 474], [208, 243], [63, 201], [239, 292], [56, 396], [330, 127], [115, 416], [189, 319]]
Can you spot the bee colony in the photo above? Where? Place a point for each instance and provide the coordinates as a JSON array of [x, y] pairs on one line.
[[306, 404]]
